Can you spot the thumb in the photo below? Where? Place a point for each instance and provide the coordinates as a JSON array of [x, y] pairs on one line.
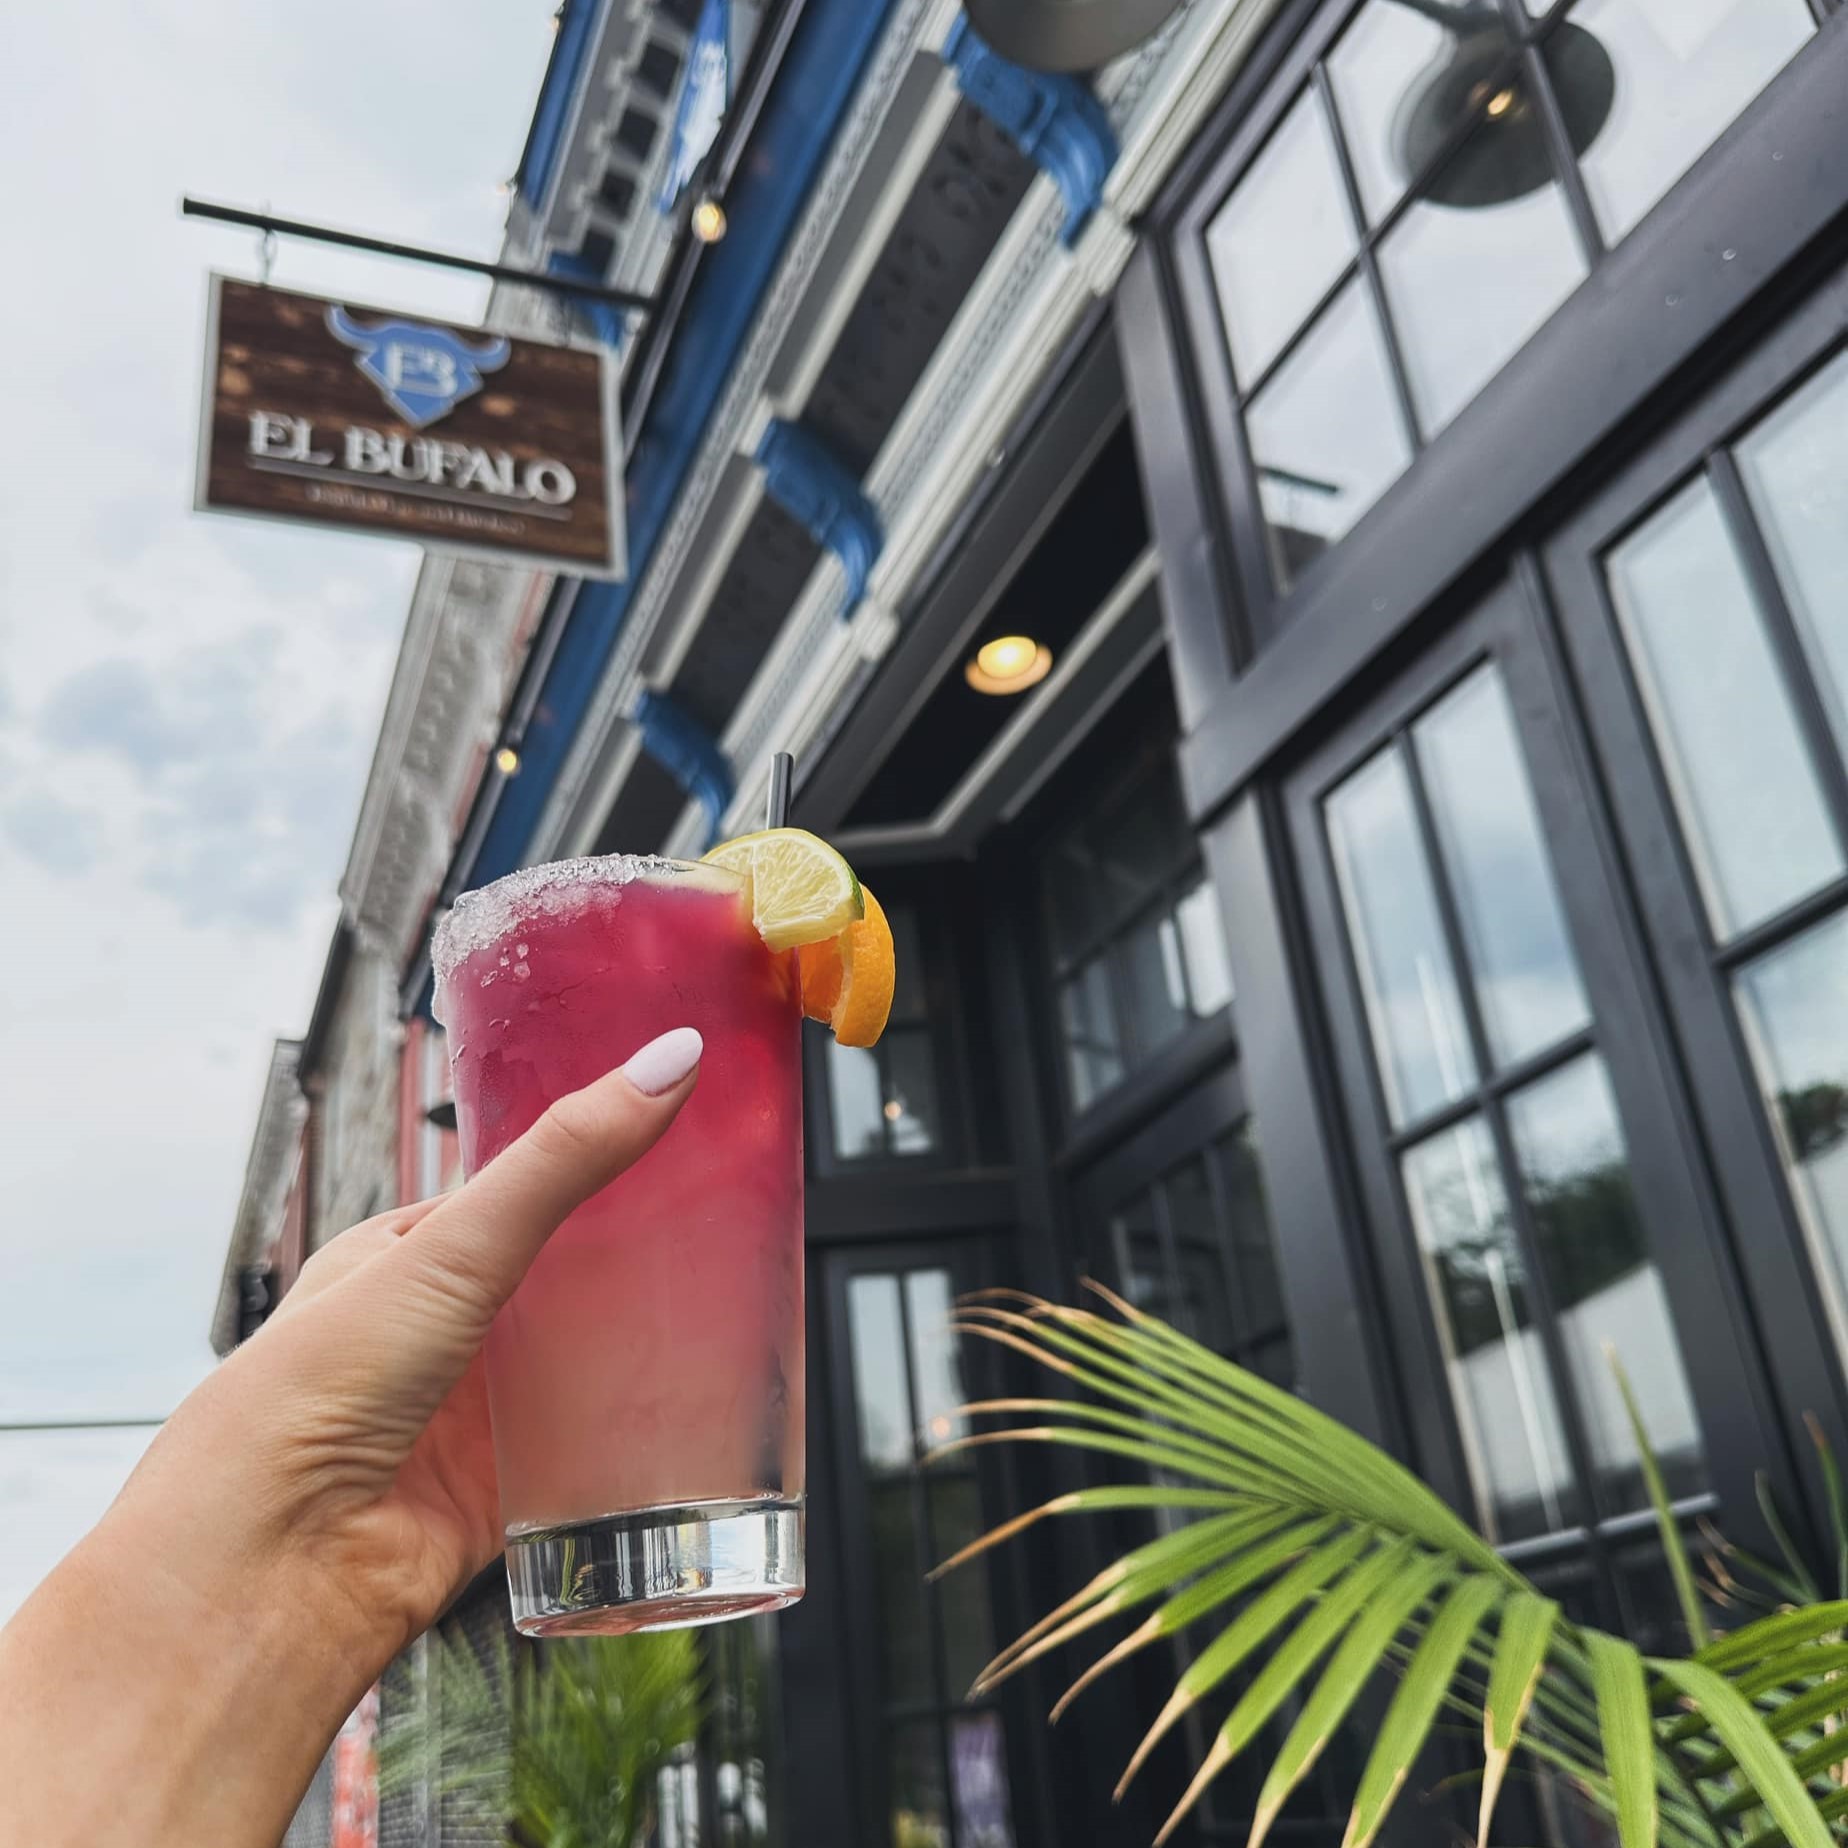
[[413, 1318]]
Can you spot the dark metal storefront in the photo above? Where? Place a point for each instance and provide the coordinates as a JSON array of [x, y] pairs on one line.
[[1509, 512], [1408, 945]]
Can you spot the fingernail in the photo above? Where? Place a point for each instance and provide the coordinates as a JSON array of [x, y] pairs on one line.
[[663, 1062]]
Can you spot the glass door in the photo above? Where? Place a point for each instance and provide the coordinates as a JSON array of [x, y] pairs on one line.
[[936, 1768], [1513, 1105], [1705, 601]]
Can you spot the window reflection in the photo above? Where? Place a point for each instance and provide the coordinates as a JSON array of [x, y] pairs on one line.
[[1795, 1006], [1526, 975], [1461, 208], [1137, 939], [1326, 436], [1750, 803], [1406, 976], [1605, 1289], [945, 1758], [1507, 1412], [1795, 466], [883, 1099], [1685, 69], [1280, 240], [1470, 286]]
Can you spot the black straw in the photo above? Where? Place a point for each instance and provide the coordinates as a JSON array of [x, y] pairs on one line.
[[776, 809]]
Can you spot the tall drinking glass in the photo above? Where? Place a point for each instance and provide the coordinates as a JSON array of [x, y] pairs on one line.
[[646, 1381]]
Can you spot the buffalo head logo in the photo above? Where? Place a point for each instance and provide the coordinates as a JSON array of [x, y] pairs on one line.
[[422, 372]]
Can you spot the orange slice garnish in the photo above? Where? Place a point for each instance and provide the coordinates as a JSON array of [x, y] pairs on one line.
[[847, 980]]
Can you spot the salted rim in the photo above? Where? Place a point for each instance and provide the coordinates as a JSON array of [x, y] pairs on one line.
[[480, 919]]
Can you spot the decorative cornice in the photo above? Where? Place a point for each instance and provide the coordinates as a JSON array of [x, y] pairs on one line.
[[916, 28], [813, 486], [1054, 120]]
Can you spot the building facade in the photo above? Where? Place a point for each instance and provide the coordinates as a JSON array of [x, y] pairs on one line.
[[1403, 939]]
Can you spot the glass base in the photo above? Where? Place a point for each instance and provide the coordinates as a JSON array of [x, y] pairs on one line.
[[659, 1569]]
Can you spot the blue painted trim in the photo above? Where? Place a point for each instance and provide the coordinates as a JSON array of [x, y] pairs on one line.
[[819, 74], [1054, 120], [564, 76], [688, 753], [604, 319], [811, 484]]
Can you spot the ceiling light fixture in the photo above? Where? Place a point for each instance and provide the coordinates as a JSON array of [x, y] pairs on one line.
[[1009, 664], [507, 760], [1473, 79], [708, 221]]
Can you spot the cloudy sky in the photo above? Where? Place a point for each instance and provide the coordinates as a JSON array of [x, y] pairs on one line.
[[187, 702]]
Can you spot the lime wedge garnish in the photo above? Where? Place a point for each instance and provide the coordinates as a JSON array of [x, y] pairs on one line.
[[801, 889]]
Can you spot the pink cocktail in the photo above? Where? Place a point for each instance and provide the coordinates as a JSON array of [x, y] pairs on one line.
[[645, 1382]]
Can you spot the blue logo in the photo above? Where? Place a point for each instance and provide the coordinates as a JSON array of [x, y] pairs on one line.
[[422, 372]]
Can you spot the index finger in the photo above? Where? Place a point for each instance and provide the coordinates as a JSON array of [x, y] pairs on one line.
[[413, 1318]]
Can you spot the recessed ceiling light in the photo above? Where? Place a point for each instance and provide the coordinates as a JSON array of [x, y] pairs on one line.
[[1009, 664]]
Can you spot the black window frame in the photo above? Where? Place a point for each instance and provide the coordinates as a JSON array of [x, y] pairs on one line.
[[940, 1025], [1302, 69], [1695, 967], [1145, 1068], [1681, 1219], [974, 1260]]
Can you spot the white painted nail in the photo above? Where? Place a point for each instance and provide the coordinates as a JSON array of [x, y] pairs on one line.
[[663, 1062]]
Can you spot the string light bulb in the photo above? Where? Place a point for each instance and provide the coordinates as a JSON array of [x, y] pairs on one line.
[[708, 222], [507, 760]]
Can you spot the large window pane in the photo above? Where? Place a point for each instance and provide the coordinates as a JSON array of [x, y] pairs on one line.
[[1526, 975], [1280, 240], [1154, 988], [876, 1333], [1470, 279], [1605, 1289], [1499, 1379], [1406, 976], [936, 1358], [1326, 436], [1795, 466], [910, 1102], [1685, 69], [1795, 1004], [1743, 781], [1385, 55], [1087, 1017], [855, 1102]]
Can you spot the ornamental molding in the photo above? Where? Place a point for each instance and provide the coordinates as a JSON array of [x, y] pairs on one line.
[[1031, 296]]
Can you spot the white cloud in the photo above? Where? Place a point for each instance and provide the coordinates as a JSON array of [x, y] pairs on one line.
[[188, 702]]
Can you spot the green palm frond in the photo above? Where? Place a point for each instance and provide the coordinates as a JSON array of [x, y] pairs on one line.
[[1328, 1566], [562, 1748]]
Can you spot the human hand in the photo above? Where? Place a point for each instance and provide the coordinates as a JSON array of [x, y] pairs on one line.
[[310, 1509]]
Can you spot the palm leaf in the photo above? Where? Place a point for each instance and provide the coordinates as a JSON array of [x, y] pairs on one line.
[[1629, 1743], [1325, 1563], [1674, 1546], [1520, 1658], [1773, 1781]]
